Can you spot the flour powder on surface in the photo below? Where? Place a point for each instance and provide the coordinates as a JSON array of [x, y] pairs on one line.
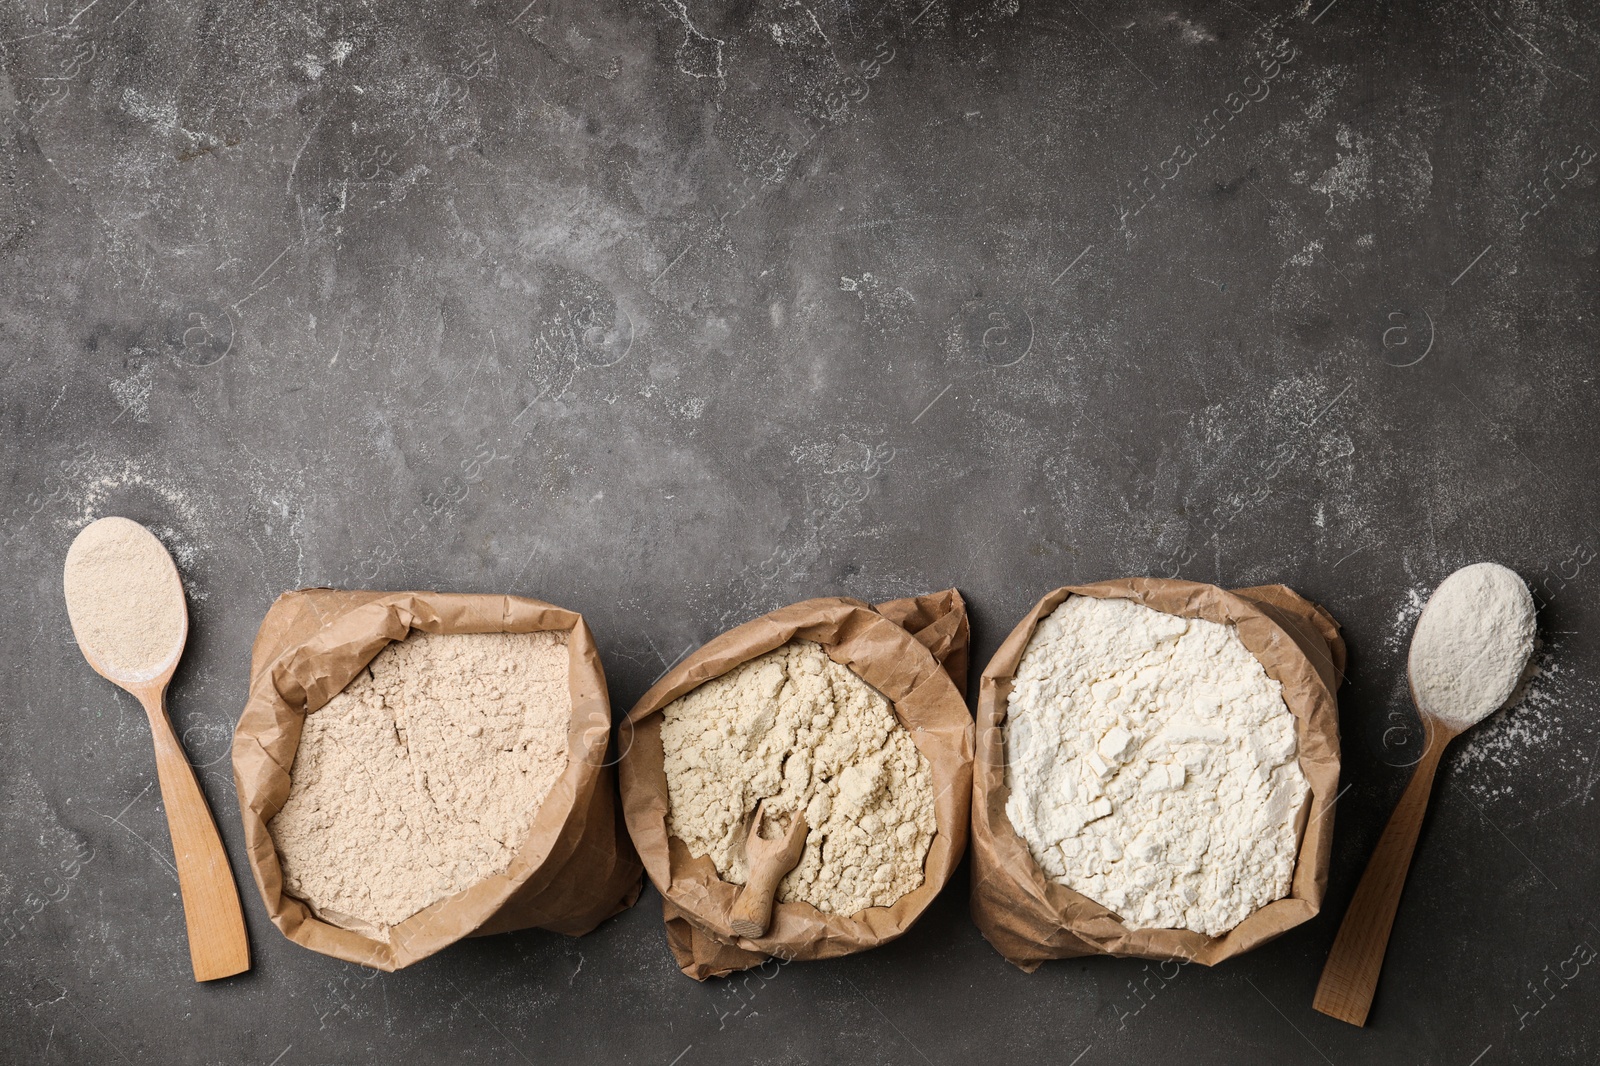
[[1152, 766], [800, 731], [124, 598], [423, 776], [1472, 643]]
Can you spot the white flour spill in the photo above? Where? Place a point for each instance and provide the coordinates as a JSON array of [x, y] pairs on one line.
[[106, 476], [1348, 180], [1306, 256], [1325, 85], [133, 393], [1405, 618], [1236, 460], [1528, 736]]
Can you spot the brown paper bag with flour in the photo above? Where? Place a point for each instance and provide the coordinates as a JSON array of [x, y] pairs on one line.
[[914, 651], [1027, 916], [576, 866]]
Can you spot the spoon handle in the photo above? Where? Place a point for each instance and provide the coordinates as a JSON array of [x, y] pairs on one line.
[[1350, 976], [218, 946]]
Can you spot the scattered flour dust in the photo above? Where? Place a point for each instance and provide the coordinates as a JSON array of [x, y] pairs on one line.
[[1405, 618], [1347, 181], [1529, 730], [423, 776], [104, 477], [1152, 765], [133, 393], [800, 731]]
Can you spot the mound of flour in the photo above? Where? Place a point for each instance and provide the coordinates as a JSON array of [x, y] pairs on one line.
[[1152, 767], [423, 775], [124, 598], [798, 730], [1472, 644]]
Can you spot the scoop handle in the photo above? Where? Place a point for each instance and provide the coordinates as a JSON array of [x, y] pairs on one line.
[[218, 946], [1350, 976]]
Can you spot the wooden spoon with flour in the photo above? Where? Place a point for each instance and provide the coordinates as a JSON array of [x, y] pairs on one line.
[[127, 610], [1468, 653]]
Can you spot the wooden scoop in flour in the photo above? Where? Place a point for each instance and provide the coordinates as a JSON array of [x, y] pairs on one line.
[[128, 613], [768, 860]]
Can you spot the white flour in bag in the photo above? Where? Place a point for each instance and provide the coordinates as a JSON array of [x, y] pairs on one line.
[[1152, 765]]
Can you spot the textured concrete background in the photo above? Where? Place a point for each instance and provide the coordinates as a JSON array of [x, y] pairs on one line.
[[677, 312]]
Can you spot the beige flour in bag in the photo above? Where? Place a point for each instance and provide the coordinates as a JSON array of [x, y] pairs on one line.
[[800, 731], [422, 776]]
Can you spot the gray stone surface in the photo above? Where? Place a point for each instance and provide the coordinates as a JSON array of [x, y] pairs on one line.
[[677, 312]]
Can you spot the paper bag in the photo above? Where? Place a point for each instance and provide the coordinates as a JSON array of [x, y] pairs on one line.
[[1028, 916], [574, 869], [916, 669]]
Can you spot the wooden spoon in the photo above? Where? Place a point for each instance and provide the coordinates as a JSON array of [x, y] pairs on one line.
[[768, 861], [218, 946], [1448, 707]]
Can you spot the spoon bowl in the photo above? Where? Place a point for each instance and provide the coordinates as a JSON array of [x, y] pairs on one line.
[[125, 601]]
